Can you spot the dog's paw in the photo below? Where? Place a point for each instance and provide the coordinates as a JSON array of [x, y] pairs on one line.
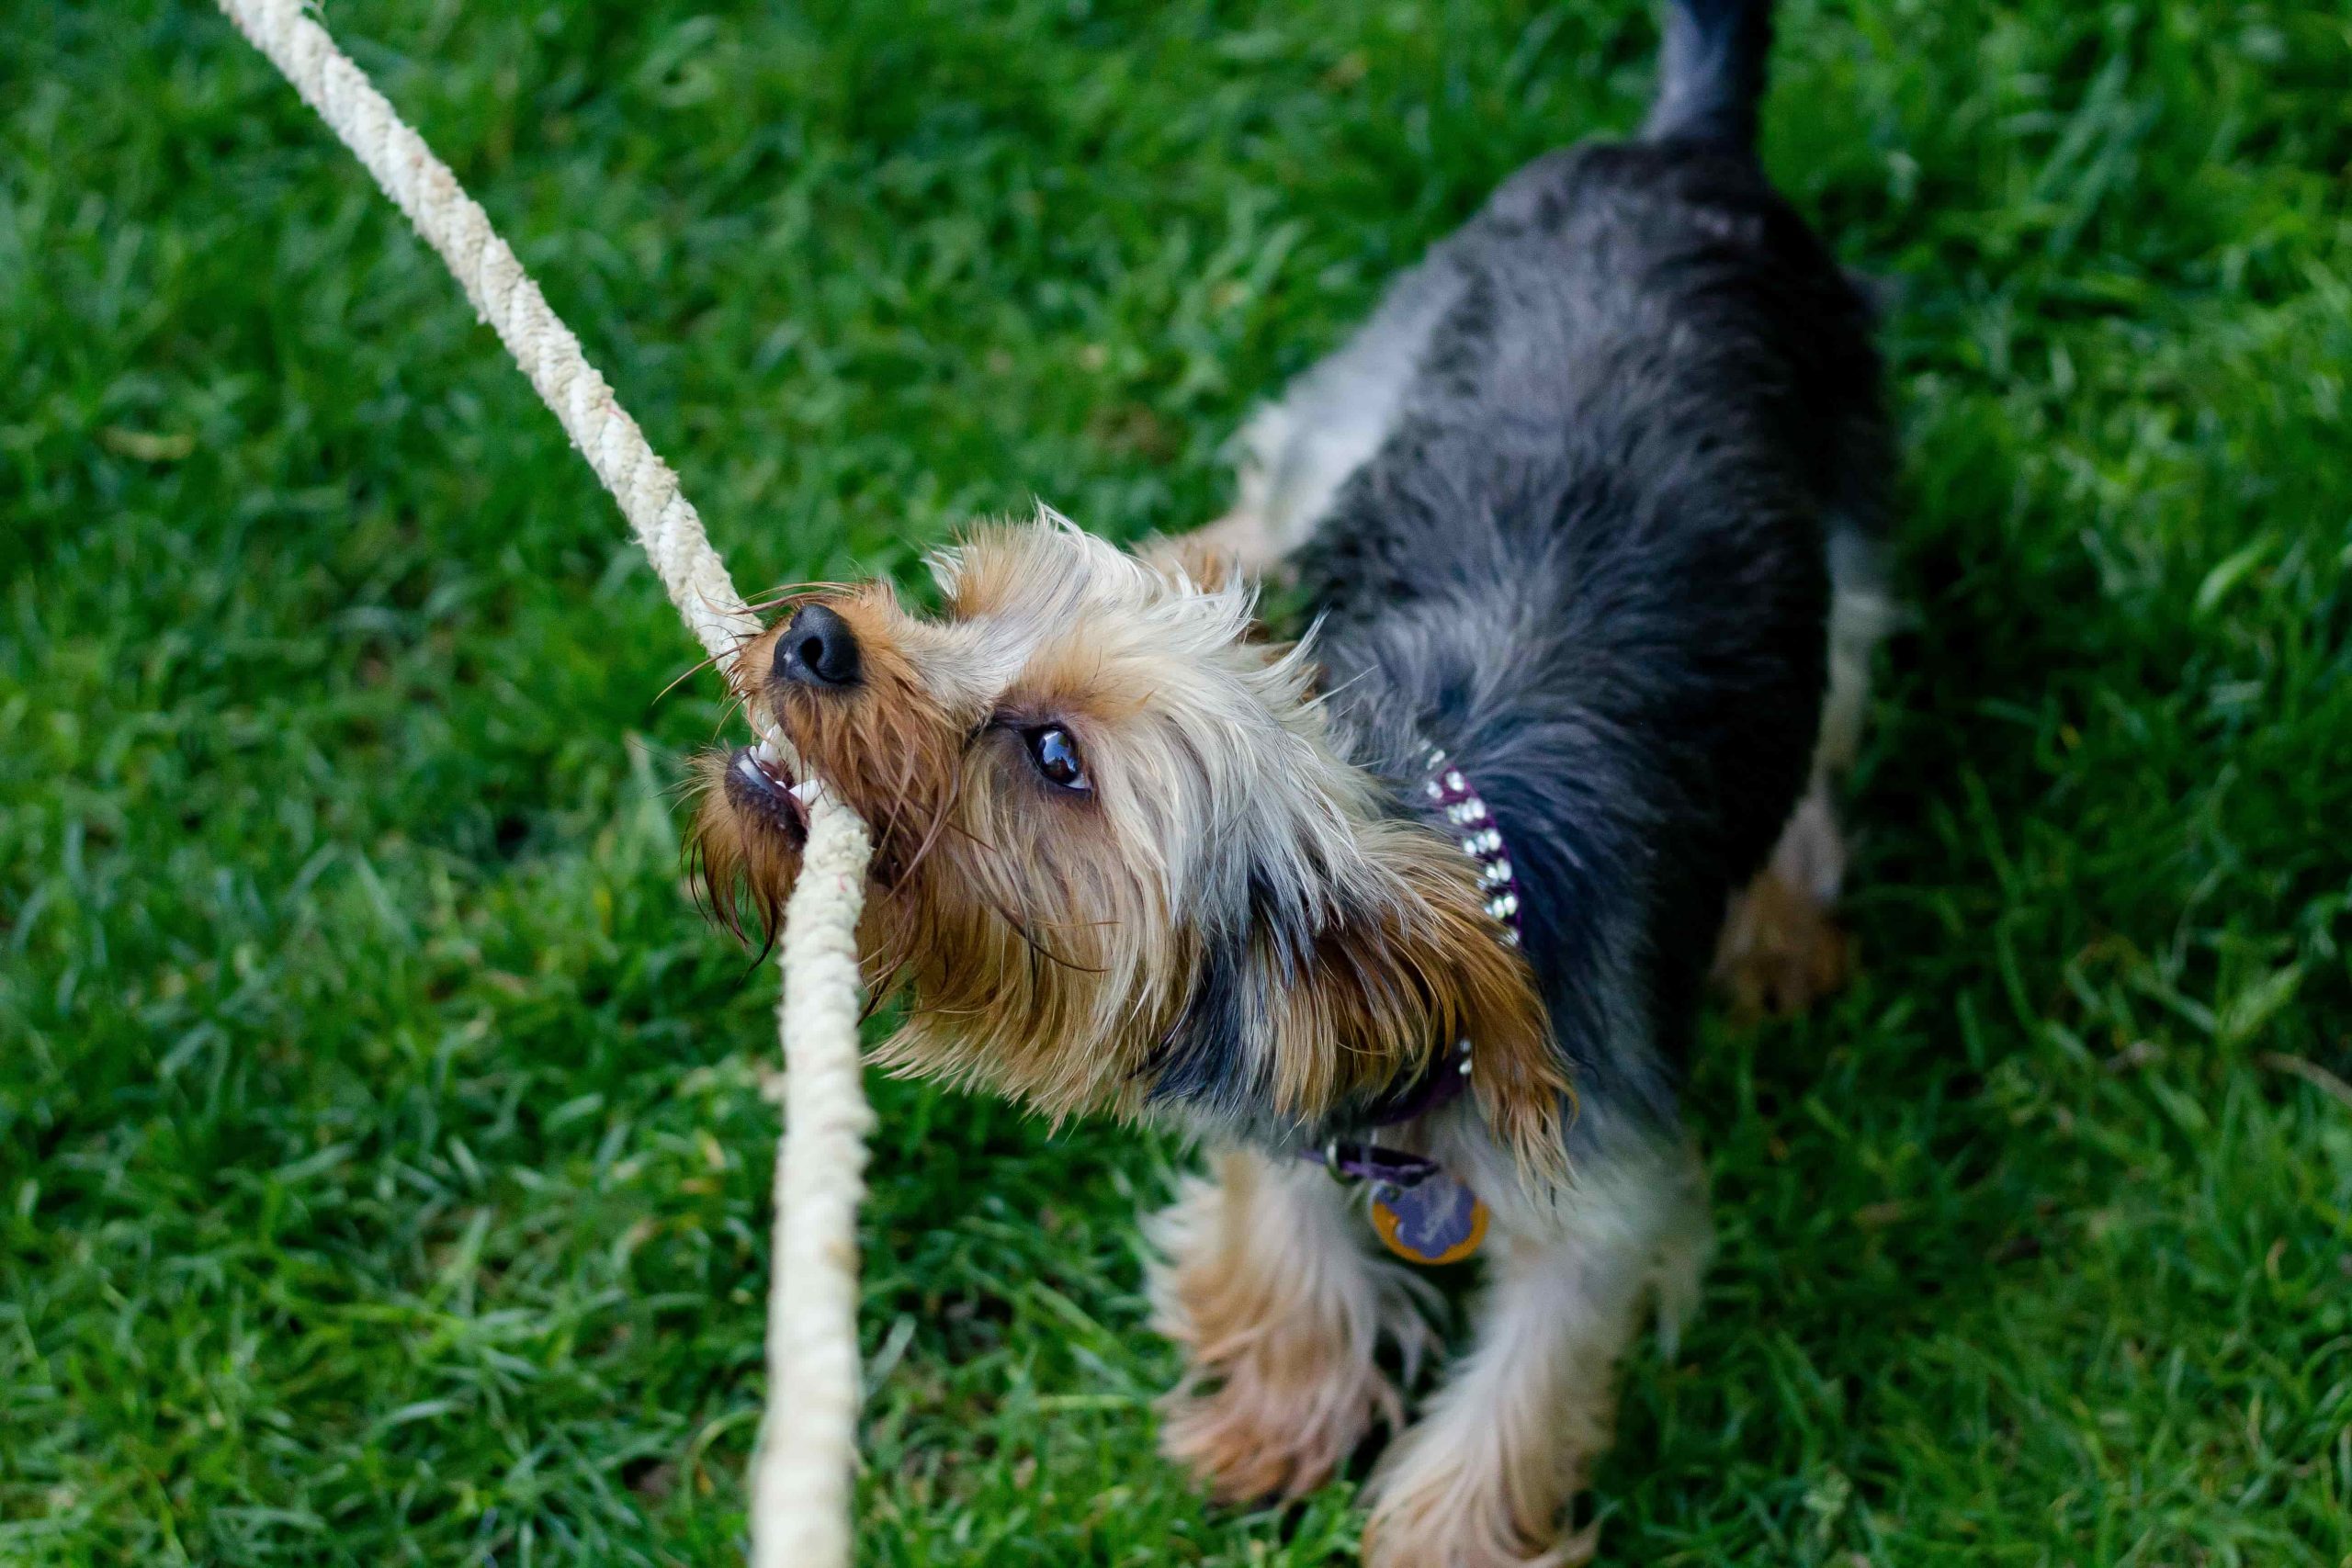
[[1279, 1422], [1392, 1548], [1782, 949], [1433, 1509]]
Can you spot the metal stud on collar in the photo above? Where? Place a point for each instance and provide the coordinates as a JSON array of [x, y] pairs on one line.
[[1465, 809]]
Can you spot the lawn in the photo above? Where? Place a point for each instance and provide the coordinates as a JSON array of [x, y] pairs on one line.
[[383, 1153]]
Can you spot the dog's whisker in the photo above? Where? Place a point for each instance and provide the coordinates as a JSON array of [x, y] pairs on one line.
[[1020, 928], [687, 674], [940, 823], [729, 711], [906, 784]]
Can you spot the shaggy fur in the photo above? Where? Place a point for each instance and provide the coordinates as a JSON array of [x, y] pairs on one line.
[[1593, 503]]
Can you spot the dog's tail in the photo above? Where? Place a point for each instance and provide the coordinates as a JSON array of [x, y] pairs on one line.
[[1711, 71]]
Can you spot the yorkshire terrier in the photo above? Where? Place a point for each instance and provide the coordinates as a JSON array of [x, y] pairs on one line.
[[1408, 919]]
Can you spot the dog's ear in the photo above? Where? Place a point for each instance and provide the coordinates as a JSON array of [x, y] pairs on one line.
[[1315, 1008]]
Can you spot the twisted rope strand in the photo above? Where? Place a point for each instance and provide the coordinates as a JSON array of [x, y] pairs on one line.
[[800, 1471]]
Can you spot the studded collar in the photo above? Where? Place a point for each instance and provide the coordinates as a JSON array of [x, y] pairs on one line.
[[1453, 797]]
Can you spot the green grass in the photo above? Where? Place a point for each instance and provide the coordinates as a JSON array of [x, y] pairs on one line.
[[382, 1156]]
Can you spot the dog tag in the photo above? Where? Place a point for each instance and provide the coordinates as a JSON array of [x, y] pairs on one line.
[[1436, 1220]]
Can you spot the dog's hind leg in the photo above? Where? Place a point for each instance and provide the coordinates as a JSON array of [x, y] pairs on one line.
[[1267, 1283], [1782, 948]]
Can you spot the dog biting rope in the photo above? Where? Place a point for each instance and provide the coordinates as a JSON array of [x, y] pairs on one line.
[[800, 1468]]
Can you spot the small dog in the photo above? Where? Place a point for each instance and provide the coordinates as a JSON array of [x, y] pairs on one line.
[[1588, 517]]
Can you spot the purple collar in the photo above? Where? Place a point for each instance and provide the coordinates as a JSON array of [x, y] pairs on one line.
[[1467, 817], [1351, 1159]]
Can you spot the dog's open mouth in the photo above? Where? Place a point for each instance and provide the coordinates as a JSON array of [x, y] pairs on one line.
[[760, 784]]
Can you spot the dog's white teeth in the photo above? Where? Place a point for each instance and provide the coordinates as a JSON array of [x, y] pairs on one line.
[[805, 792], [766, 752]]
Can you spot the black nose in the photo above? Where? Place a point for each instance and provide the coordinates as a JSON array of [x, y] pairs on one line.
[[817, 650]]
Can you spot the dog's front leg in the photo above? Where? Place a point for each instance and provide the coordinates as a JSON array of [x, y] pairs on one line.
[[1484, 1480], [1267, 1284]]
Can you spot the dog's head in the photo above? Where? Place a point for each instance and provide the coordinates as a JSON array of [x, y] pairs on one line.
[[1119, 861]]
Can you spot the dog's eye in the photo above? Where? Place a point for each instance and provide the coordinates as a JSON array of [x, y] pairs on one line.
[[1055, 750]]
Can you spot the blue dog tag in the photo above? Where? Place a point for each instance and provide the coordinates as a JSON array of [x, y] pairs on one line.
[[1436, 1220]]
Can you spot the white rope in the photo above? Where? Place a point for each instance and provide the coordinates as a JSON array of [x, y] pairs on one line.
[[800, 1471]]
